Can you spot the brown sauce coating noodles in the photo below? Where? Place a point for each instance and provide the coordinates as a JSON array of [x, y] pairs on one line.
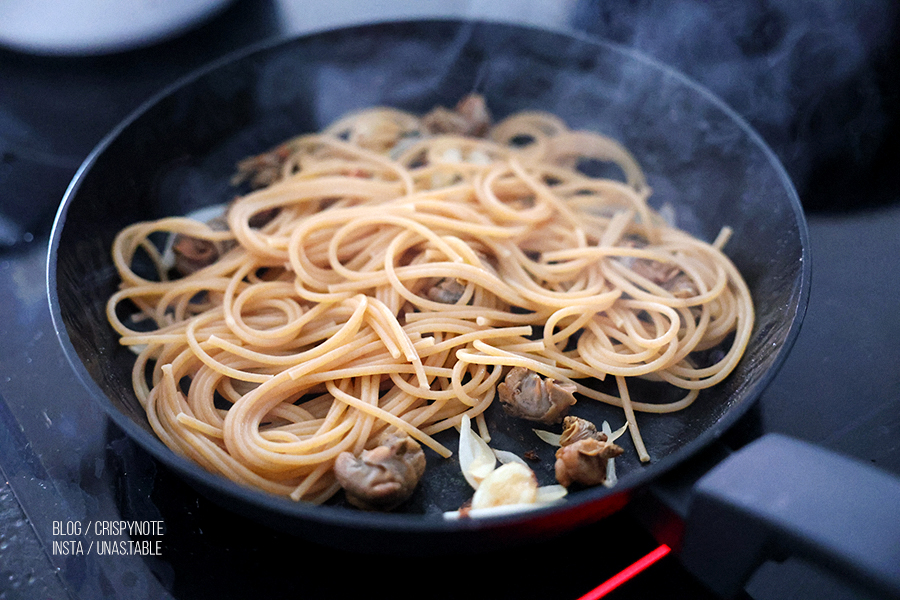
[[315, 332]]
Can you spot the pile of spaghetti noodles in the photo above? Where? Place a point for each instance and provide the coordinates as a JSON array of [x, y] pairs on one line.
[[325, 324]]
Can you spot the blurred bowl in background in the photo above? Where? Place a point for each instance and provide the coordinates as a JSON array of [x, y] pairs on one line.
[[89, 27]]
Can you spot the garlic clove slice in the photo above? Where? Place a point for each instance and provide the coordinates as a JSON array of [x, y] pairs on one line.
[[547, 494], [512, 483], [548, 436], [505, 456], [476, 459], [611, 477]]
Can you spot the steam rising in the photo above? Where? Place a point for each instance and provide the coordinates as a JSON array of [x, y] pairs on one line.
[[815, 77]]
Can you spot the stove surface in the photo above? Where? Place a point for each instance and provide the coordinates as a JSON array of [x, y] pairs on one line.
[[64, 465]]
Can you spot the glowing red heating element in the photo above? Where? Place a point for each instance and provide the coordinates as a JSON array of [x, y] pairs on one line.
[[627, 573]]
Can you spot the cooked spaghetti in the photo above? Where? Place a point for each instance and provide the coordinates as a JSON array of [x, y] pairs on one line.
[[384, 274]]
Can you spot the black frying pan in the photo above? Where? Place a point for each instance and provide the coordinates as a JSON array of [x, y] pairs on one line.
[[177, 153]]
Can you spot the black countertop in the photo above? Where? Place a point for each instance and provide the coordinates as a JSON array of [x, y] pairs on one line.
[[64, 463]]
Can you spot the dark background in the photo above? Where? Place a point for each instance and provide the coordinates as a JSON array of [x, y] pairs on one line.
[[817, 79]]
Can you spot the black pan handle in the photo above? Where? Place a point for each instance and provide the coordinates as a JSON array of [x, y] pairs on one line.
[[779, 497]]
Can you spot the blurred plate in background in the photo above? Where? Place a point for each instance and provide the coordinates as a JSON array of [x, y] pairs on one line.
[[87, 27]]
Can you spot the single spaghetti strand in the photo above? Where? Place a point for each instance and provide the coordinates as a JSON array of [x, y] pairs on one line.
[[631, 420]]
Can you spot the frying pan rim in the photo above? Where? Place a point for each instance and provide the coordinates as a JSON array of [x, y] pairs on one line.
[[416, 523]]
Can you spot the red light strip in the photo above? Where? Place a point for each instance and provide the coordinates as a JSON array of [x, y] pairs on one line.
[[627, 573]]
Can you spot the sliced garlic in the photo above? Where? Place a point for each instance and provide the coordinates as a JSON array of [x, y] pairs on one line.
[[505, 456], [476, 459], [509, 488], [548, 436], [493, 511], [512, 483], [613, 435], [547, 494], [611, 477]]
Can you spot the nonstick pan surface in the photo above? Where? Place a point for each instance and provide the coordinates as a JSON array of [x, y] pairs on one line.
[[177, 154]]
